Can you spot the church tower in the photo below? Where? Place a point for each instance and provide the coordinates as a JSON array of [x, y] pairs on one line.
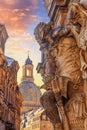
[[27, 70], [30, 91]]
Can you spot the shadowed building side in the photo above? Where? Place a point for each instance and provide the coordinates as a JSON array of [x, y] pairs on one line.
[[10, 97]]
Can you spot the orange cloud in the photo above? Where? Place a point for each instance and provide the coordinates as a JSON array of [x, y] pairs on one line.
[[9, 2], [17, 14], [17, 49], [19, 42]]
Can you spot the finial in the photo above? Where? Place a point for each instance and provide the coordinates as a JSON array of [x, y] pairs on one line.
[[28, 53]]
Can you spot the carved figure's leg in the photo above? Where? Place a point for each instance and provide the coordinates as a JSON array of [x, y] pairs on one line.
[[49, 103]]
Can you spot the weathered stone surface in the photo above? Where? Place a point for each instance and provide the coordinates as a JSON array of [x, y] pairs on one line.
[[64, 40], [10, 97], [84, 3]]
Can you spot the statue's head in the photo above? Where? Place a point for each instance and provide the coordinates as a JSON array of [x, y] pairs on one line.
[[43, 33], [39, 31], [84, 3], [15, 65]]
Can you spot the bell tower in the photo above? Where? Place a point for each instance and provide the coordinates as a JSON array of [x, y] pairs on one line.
[[27, 70]]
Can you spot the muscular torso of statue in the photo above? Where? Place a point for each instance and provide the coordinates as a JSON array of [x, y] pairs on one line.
[[67, 59], [68, 64]]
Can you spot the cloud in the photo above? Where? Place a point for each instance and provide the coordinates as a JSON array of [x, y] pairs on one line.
[[19, 36], [19, 42], [18, 14]]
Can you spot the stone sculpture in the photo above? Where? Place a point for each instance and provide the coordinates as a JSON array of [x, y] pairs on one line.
[[64, 62]]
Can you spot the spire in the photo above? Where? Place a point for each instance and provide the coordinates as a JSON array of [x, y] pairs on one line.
[[28, 60], [28, 53]]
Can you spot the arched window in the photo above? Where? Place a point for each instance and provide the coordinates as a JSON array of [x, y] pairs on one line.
[[29, 72]]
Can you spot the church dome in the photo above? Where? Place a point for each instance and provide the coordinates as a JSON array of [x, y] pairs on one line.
[[30, 91], [31, 95], [28, 61]]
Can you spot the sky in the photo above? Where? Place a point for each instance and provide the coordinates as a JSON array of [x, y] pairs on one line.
[[20, 17]]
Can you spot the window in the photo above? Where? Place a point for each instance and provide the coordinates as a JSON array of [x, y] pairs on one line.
[[29, 72]]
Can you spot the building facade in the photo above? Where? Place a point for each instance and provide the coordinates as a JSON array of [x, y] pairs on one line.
[[10, 97], [63, 67], [36, 120], [30, 92]]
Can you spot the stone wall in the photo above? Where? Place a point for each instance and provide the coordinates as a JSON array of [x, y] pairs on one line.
[[10, 97]]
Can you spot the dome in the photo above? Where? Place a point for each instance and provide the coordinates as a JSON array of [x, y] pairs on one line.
[[28, 88], [31, 95], [28, 61]]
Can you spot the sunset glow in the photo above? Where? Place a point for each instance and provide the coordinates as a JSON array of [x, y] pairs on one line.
[[20, 17]]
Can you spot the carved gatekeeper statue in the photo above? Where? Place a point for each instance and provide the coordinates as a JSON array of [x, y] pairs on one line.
[[65, 101]]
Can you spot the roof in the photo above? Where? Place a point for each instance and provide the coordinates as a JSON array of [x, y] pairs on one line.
[[28, 61]]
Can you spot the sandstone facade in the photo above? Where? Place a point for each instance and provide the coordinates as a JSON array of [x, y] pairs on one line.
[[10, 97], [63, 44]]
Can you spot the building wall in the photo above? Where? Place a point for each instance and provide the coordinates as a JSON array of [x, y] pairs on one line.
[[10, 97], [45, 125], [37, 121], [2, 126]]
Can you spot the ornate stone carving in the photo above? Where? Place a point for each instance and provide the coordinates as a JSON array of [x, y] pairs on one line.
[[2, 71], [64, 50]]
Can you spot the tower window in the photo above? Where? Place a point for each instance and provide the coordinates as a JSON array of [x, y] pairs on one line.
[[28, 72]]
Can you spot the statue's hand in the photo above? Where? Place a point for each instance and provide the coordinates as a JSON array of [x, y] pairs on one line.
[[84, 71], [84, 67]]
